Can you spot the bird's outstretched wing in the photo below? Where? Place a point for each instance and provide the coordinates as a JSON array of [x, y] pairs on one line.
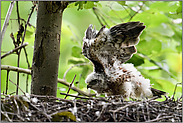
[[107, 46]]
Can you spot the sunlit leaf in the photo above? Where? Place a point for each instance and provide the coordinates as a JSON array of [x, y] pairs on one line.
[[80, 4], [89, 5], [58, 117], [179, 10], [76, 52], [136, 60], [72, 61], [121, 2], [147, 47], [84, 71]]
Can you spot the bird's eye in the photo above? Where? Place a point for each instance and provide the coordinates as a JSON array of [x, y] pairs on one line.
[[95, 81]]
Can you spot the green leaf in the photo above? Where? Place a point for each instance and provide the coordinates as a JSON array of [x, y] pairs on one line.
[[121, 3], [89, 5], [76, 52], [136, 60], [72, 61], [58, 117], [28, 34], [80, 4], [149, 47], [85, 71], [179, 10]]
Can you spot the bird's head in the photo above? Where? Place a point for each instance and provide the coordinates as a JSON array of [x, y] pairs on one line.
[[96, 82]]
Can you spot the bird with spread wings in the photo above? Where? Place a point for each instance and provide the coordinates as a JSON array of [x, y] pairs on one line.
[[108, 50]]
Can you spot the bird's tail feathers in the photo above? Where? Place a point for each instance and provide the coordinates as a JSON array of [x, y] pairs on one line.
[[157, 92]]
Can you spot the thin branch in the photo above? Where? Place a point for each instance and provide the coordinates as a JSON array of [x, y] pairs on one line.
[[26, 56], [94, 10], [137, 11], [156, 63], [21, 20], [27, 23], [175, 91], [17, 87], [70, 86], [157, 119], [16, 69], [6, 115], [14, 50], [62, 81], [18, 15], [115, 12], [75, 35], [6, 22], [7, 81]]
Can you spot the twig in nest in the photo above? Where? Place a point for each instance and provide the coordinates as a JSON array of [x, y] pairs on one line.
[[103, 109], [175, 91], [81, 97], [70, 86], [89, 98], [14, 50]]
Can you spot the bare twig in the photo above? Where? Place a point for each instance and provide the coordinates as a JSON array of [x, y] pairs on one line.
[[137, 11], [175, 91], [18, 15], [14, 42], [26, 56], [7, 81], [6, 115], [14, 50], [155, 120], [18, 87], [27, 23], [157, 64], [103, 108], [62, 81], [74, 96], [114, 12], [16, 69], [6, 22], [94, 10], [70, 86], [21, 20], [76, 65], [89, 98], [42, 112], [74, 34]]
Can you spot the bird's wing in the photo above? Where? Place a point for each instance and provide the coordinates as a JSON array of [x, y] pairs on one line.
[[116, 44]]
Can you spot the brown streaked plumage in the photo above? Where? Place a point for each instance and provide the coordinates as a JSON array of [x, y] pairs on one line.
[[108, 50]]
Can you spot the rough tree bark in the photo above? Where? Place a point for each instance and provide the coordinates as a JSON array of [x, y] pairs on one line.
[[47, 48]]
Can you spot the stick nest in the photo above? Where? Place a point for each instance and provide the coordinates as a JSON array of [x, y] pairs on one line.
[[35, 108]]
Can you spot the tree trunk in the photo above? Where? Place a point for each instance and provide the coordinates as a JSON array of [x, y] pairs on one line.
[[47, 48]]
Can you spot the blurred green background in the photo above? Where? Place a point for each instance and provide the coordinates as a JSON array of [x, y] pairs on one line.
[[159, 52]]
